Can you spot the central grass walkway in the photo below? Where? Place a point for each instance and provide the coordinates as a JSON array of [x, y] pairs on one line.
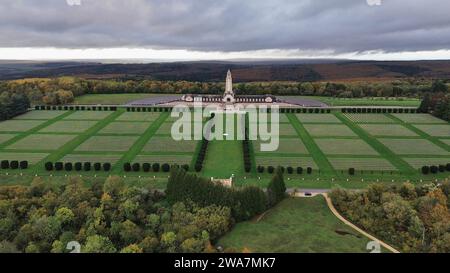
[[224, 158], [395, 160], [314, 150], [296, 225]]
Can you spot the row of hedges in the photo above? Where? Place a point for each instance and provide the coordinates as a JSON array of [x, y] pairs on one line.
[[435, 169], [378, 110], [305, 110], [201, 155], [289, 170], [78, 166], [246, 148], [147, 167], [75, 107], [149, 109], [13, 165]]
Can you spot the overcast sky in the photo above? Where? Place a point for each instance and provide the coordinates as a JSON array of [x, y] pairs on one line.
[[209, 29]]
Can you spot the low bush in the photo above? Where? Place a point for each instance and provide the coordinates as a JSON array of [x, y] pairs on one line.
[[49, 166], [127, 167], [14, 165], [146, 167], [87, 166]]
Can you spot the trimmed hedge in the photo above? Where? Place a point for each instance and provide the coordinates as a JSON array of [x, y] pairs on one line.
[[49, 166], [68, 166], [165, 167], [78, 166], [127, 167], [87, 166], [155, 167], [146, 167], [23, 165], [14, 165], [351, 171], [97, 166], [4, 164], [59, 166], [106, 167]]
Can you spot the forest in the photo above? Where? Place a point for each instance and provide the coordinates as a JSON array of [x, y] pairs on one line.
[[438, 104], [412, 218], [111, 216], [62, 90]]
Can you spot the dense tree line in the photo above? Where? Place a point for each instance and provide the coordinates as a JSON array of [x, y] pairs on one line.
[[104, 217], [437, 104], [12, 104], [411, 218], [63, 90], [244, 203]]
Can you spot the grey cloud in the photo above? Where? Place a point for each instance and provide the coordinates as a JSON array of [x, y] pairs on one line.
[[228, 25]]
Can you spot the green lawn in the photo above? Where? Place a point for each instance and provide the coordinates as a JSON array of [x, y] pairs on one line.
[[19, 125], [406, 102], [223, 159], [41, 142], [382, 147], [113, 98], [72, 126], [296, 225]]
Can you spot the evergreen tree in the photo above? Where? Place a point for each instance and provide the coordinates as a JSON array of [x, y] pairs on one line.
[[276, 190]]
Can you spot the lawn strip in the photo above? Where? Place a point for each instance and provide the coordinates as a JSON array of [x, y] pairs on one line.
[[386, 153], [314, 150]]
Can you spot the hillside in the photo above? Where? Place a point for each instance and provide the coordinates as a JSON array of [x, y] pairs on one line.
[[243, 71]]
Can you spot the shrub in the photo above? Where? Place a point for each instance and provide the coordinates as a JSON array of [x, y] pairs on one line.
[[146, 167], [309, 170], [441, 168], [59, 166], [14, 164], [165, 167], [299, 170], [351, 171], [185, 167], [290, 170], [434, 169], [425, 170], [260, 169], [155, 167], [198, 167], [23, 165], [270, 169], [87, 166], [5, 164], [49, 166], [127, 167], [68, 166], [447, 167], [97, 166], [276, 190], [106, 167], [78, 166], [136, 167]]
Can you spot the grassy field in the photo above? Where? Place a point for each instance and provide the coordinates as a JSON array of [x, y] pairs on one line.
[[113, 98], [406, 102], [297, 225], [388, 148]]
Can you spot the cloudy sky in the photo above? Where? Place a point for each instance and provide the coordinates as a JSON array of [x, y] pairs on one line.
[[210, 29]]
